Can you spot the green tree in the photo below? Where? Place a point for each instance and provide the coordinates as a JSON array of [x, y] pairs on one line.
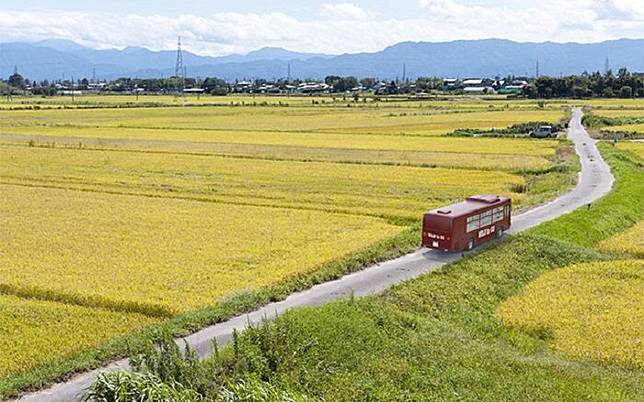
[[16, 80], [626, 92], [368, 82]]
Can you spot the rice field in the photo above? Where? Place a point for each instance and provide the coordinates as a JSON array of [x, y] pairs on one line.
[[590, 311], [627, 128], [630, 242], [467, 160], [162, 256], [35, 332], [406, 121], [160, 210], [442, 103], [397, 191], [636, 147], [502, 146], [619, 112]]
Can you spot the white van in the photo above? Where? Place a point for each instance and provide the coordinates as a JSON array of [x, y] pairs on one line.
[[542, 132]]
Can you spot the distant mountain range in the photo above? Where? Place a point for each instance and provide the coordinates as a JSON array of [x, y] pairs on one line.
[[56, 58]]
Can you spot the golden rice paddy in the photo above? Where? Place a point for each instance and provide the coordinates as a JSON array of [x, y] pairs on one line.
[[589, 311], [114, 217]]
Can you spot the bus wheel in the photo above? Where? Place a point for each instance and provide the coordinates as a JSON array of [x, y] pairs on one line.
[[470, 244], [499, 232]]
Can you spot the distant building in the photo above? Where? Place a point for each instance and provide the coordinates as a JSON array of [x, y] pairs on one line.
[[450, 84], [70, 93], [479, 90], [510, 89], [310, 87], [472, 82]]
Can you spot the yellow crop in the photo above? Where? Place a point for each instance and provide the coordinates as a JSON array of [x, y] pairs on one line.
[[467, 160], [635, 147], [296, 119], [620, 112], [34, 332], [163, 255], [587, 311], [630, 242], [447, 102], [362, 189], [609, 103], [157, 211], [496, 146], [630, 128]]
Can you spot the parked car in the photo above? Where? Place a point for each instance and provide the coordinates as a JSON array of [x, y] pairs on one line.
[[542, 132]]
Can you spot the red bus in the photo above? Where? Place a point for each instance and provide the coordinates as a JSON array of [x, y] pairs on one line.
[[466, 224]]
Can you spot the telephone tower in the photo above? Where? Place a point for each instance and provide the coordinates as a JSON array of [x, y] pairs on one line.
[[537, 69], [180, 69]]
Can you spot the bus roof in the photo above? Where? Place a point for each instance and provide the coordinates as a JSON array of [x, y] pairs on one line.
[[470, 205]]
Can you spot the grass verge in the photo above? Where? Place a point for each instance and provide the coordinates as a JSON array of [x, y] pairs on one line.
[[619, 210]]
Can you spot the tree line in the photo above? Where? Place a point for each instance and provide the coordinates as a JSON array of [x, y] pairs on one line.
[[588, 85], [624, 84]]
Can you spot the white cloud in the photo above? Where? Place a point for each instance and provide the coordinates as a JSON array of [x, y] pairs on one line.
[[344, 28], [345, 11]]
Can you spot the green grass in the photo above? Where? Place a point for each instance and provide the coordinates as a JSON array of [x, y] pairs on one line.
[[436, 337], [620, 209], [432, 338]]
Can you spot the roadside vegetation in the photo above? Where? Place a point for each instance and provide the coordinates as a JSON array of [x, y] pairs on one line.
[[621, 124], [516, 130], [444, 335]]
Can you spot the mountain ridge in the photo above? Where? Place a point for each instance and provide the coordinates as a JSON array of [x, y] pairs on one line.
[[56, 58]]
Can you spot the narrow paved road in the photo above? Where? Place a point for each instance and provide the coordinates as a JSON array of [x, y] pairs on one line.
[[595, 180]]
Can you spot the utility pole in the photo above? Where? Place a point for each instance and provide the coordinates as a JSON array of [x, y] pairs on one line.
[[404, 73], [72, 89], [606, 66]]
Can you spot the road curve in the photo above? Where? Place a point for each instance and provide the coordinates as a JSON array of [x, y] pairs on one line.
[[595, 180]]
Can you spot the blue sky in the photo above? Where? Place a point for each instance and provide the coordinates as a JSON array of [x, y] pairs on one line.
[[225, 27]]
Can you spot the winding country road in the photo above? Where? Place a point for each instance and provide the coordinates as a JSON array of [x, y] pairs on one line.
[[595, 180]]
